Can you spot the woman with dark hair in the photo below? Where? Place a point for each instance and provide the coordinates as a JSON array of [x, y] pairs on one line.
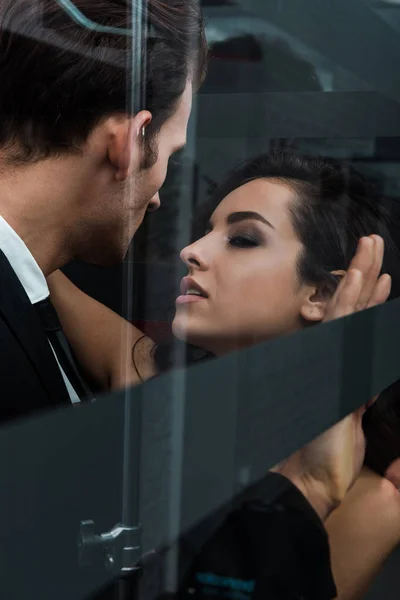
[[287, 242]]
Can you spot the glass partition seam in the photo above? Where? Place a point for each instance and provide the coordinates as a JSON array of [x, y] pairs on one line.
[[179, 379], [132, 409]]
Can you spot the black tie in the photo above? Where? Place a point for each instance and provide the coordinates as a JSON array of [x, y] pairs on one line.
[[52, 326]]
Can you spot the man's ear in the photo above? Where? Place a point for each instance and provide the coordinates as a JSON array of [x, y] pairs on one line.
[[317, 298], [125, 145]]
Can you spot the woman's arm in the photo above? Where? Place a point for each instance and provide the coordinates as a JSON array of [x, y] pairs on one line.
[[101, 339], [363, 532]]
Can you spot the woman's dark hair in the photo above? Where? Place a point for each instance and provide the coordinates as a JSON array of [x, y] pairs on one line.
[[333, 207], [60, 79]]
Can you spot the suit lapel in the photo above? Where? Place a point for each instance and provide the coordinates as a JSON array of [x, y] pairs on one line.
[[21, 317]]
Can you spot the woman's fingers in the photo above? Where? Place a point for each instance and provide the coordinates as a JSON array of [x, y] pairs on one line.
[[348, 295], [373, 266], [350, 288], [361, 287], [381, 291]]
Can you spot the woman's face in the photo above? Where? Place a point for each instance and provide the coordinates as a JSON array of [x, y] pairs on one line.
[[245, 269]]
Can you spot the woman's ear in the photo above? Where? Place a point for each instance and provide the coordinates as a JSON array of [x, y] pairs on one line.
[[313, 307], [317, 298]]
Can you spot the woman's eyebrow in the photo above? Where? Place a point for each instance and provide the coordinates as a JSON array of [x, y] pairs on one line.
[[247, 215]]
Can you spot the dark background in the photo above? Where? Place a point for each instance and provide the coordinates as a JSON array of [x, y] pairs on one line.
[[322, 79]]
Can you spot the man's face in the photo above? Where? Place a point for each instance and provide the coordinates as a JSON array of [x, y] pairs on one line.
[[118, 208], [147, 184]]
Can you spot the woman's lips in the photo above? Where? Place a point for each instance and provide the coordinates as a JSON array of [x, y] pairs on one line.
[[188, 284], [189, 299]]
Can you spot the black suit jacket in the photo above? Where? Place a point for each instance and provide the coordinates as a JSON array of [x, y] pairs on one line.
[[30, 379]]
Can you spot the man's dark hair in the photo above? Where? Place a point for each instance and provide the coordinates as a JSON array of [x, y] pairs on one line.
[[333, 207], [52, 95]]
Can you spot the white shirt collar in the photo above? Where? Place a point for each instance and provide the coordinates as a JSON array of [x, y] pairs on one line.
[[23, 264]]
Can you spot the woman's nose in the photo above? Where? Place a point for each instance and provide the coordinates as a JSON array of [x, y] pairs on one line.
[[154, 203], [192, 256]]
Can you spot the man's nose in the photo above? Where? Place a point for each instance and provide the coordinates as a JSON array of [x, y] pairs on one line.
[[154, 203]]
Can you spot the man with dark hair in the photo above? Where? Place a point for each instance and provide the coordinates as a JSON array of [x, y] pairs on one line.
[[95, 97]]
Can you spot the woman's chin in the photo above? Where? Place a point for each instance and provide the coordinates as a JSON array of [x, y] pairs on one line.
[[184, 332], [179, 329]]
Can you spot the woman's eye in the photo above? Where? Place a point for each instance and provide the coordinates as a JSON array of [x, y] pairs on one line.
[[243, 241]]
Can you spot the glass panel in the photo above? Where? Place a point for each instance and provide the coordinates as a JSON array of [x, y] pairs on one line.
[[205, 444], [56, 472], [254, 52], [91, 492], [315, 80]]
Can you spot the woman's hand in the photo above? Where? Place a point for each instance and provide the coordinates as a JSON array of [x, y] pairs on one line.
[[361, 286], [327, 467]]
